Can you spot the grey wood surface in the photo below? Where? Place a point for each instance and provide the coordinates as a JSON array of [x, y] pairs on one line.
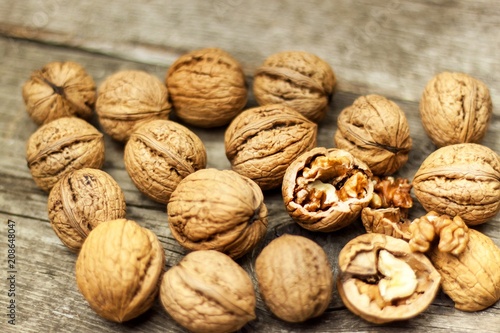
[[387, 47]]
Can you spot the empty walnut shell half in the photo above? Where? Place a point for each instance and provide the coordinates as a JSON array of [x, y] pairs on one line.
[[382, 280], [326, 189], [262, 142]]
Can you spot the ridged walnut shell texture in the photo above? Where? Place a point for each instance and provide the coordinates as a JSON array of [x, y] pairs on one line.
[[159, 154], [207, 87], [262, 142], [207, 292], [375, 130], [59, 89], [217, 210], [461, 179], [80, 201], [119, 268], [61, 146], [127, 98], [297, 79], [295, 278], [455, 108]]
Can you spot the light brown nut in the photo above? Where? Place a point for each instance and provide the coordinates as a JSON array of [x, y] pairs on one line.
[[455, 108], [207, 87], [80, 201], [217, 210], [326, 189], [262, 142], [297, 79], [119, 268], [128, 98], [61, 146], [462, 179], [375, 130], [159, 154], [59, 89], [295, 278], [387, 221], [207, 292], [382, 280]]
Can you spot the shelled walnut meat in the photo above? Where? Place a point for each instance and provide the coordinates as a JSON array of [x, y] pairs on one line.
[[261, 142]]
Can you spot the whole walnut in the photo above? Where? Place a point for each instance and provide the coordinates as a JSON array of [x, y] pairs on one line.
[[297, 79], [80, 201], [207, 87], [127, 98], [159, 154], [455, 108], [375, 130], [295, 278], [61, 146], [118, 269], [59, 89], [262, 142], [207, 292], [217, 210]]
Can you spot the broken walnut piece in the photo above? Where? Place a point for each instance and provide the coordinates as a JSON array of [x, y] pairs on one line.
[[388, 221]]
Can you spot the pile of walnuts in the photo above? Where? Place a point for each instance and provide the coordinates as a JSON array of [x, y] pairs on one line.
[[220, 215]]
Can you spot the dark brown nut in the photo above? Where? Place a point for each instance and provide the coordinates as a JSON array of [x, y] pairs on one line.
[[61, 146], [299, 80], [295, 278], [387, 221], [59, 89], [462, 179], [207, 292], [375, 130], [128, 98], [382, 280], [207, 87], [80, 201], [159, 154], [326, 189], [262, 142], [455, 108], [391, 192], [217, 210]]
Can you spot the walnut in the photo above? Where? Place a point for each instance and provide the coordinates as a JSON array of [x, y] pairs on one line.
[[375, 130], [59, 89], [326, 189], [80, 201], [61, 146], [295, 278], [391, 192], [128, 98], [159, 154], [262, 142], [382, 280], [207, 87], [119, 268], [461, 179], [455, 108], [388, 221], [217, 210], [299, 80], [207, 292]]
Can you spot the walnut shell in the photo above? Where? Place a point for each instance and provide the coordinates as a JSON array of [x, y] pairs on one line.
[[462, 179], [295, 278], [262, 142], [375, 130], [297, 79], [387, 221], [59, 89], [119, 268], [127, 98], [455, 108], [159, 154], [207, 292], [217, 210], [80, 201], [207, 87], [61, 146]]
